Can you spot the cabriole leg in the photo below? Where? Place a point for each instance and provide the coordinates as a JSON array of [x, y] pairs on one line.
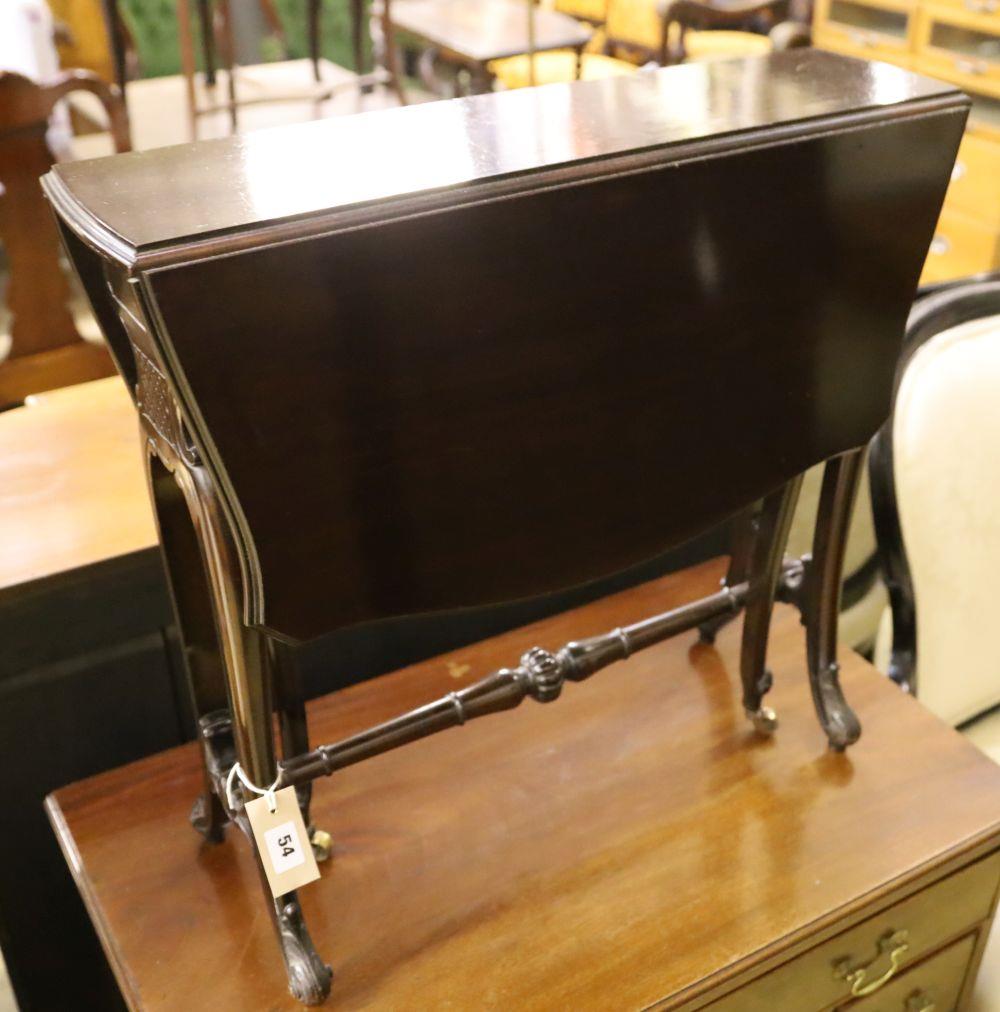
[[769, 535], [741, 532], [249, 675], [192, 605], [823, 587]]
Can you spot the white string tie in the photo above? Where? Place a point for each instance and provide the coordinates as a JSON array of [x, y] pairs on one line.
[[267, 794]]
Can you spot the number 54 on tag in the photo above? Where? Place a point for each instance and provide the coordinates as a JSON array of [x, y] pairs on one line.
[[282, 842]]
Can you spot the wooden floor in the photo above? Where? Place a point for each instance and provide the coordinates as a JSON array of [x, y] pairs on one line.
[[630, 839]]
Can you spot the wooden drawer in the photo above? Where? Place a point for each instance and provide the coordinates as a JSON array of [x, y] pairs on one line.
[[933, 986], [817, 979], [959, 46], [873, 31], [975, 181], [982, 8], [961, 246], [837, 40]]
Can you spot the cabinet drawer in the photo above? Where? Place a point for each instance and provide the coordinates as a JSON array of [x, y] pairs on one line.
[[960, 47], [901, 935], [975, 181], [932, 986], [981, 8], [862, 28], [961, 246], [835, 40]]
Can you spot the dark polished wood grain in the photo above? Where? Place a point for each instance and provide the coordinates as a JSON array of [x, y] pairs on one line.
[[228, 189], [444, 422], [631, 844]]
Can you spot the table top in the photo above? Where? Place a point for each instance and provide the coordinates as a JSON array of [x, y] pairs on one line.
[[483, 30], [72, 487], [331, 167], [633, 838]]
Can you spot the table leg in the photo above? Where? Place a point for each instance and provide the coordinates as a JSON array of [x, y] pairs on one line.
[[770, 535], [841, 477]]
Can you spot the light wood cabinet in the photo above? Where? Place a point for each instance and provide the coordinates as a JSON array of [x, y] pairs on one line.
[[956, 41]]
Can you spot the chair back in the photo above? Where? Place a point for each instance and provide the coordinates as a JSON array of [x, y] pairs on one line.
[[46, 350], [935, 475]]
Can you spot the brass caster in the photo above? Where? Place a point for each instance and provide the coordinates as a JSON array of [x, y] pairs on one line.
[[764, 720], [322, 844]]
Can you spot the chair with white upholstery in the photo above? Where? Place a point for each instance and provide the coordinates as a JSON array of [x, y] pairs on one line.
[[935, 480]]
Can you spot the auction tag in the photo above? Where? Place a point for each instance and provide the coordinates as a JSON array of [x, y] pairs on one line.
[[282, 842]]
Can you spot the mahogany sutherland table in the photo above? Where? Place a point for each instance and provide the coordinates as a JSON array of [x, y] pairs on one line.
[[635, 845]]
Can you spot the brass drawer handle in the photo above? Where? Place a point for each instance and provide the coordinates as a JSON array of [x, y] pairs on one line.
[[895, 943], [920, 1001]]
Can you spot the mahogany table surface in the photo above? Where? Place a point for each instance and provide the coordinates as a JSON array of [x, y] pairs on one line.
[[483, 30], [72, 487], [631, 842]]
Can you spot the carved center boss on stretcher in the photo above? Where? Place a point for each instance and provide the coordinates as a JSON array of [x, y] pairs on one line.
[[483, 350]]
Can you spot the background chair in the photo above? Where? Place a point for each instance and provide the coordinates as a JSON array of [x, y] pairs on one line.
[[935, 476], [46, 349], [638, 32]]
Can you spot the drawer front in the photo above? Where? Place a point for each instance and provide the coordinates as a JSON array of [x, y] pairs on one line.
[[861, 28], [837, 40], [959, 47], [961, 246], [933, 986], [975, 181], [978, 8], [897, 939]]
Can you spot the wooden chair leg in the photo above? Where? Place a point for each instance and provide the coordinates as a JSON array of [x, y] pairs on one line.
[[770, 535], [823, 588], [186, 40], [390, 55], [358, 35], [228, 52], [313, 12], [207, 27]]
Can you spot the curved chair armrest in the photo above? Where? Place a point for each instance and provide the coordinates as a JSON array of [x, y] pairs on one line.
[[110, 97]]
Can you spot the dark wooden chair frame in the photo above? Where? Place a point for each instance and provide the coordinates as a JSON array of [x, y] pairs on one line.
[[946, 306], [46, 350]]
